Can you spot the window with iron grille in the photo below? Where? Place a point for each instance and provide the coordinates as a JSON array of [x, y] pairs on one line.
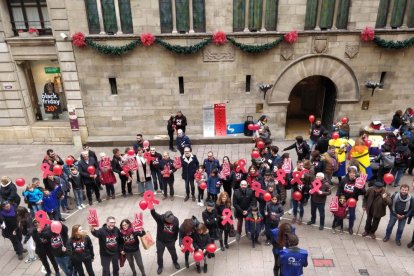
[[27, 14], [184, 23], [261, 15]]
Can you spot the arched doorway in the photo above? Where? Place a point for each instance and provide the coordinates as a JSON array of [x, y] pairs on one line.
[[314, 95]]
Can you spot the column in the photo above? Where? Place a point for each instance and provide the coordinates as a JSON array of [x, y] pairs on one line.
[[174, 18], [101, 25], [263, 29], [246, 17], [190, 12], [118, 18], [335, 15], [318, 16]]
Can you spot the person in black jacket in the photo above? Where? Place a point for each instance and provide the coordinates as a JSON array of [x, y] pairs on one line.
[[201, 241], [131, 245], [211, 219], [80, 250], [167, 234], [89, 180], [41, 237], [171, 130], [10, 227], [243, 199], [187, 229], [25, 223], [167, 169], [110, 241], [125, 177], [139, 143], [223, 202], [8, 191], [323, 143], [397, 121], [75, 180], [301, 147], [190, 165], [155, 170], [180, 121], [58, 243]]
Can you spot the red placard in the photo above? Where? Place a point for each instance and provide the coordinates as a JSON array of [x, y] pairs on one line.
[[220, 123]]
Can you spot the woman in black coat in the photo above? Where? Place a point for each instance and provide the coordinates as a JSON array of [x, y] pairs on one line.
[[8, 191], [397, 121]]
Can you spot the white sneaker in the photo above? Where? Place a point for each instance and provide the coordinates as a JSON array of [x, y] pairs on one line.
[[43, 270], [202, 204], [80, 207], [290, 211], [83, 206]]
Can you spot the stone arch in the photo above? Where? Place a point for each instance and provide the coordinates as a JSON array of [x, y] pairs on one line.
[[335, 69]]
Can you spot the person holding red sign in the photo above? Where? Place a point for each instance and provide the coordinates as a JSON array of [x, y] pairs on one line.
[[187, 229], [90, 179], [340, 214], [319, 194], [167, 169], [107, 176], [124, 175], [80, 250]]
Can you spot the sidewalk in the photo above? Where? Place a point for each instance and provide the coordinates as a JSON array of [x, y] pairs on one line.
[[350, 254]]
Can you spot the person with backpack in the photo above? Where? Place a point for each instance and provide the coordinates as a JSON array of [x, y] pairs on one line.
[[386, 162], [401, 161]]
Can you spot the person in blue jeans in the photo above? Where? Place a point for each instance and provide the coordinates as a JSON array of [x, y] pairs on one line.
[[402, 154], [402, 206], [318, 200], [58, 242], [51, 204]]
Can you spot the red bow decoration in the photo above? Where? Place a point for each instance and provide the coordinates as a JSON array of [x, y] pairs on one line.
[[45, 167], [150, 199], [42, 218], [138, 223], [78, 39], [291, 37], [93, 218], [297, 178], [219, 38], [177, 162], [187, 242], [227, 213], [241, 165], [147, 39], [148, 157], [316, 184], [361, 180], [367, 34], [197, 176], [280, 176], [257, 188]]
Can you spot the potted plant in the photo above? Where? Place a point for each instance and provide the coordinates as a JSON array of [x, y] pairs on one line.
[[33, 32], [22, 33]]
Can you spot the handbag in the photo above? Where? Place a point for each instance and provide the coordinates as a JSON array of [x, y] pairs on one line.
[[147, 240]]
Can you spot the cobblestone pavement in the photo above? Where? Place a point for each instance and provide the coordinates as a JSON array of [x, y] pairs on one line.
[[350, 254]]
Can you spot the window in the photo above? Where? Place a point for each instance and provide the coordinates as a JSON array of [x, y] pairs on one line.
[[29, 14], [103, 17], [181, 84], [261, 15], [326, 14], [180, 20], [396, 13], [248, 80], [114, 88]]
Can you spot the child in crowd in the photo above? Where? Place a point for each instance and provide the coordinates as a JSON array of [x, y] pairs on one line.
[[200, 177], [273, 213], [51, 203], [34, 197], [75, 180], [340, 214], [212, 183], [254, 224], [293, 259], [202, 239]]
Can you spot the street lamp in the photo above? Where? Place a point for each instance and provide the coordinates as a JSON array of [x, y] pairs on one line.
[[373, 85], [264, 87]]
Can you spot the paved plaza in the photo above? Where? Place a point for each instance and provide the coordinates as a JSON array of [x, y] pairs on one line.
[[351, 255]]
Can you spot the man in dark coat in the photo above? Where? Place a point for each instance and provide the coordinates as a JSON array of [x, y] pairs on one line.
[[52, 159], [375, 204], [211, 163], [301, 148], [190, 165], [243, 199], [155, 170], [125, 177], [180, 121], [323, 143], [90, 180], [139, 143], [10, 228], [167, 234], [171, 130], [182, 141]]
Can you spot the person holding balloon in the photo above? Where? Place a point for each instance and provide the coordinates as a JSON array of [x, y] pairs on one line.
[[51, 159], [273, 213], [89, 170], [117, 164], [211, 220], [201, 242], [187, 230], [58, 241], [200, 178], [316, 130]]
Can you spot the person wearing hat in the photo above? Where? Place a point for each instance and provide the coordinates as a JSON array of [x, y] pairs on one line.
[[167, 234], [243, 198], [10, 228], [318, 200], [375, 204], [8, 191]]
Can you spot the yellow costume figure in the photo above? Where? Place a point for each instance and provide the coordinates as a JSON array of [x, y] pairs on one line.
[[340, 145], [360, 153]]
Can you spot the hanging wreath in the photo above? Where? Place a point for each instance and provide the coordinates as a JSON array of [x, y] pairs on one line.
[[219, 38], [113, 50], [390, 44], [78, 39], [367, 34], [147, 39], [291, 37], [178, 49], [256, 48]]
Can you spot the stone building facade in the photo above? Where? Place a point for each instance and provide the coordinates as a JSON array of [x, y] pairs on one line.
[[323, 73]]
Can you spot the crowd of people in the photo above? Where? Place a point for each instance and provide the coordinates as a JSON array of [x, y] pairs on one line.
[[258, 195]]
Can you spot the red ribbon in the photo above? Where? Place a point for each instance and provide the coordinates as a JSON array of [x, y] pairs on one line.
[[227, 213], [148, 157], [257, 188], [187, 242], [150, 198], [45, 167], [281, 175], [241, 165], [297, 178], [316, 184], [42, 218]]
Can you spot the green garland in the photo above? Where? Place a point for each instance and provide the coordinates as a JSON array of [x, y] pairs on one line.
[[113, 50], [390, 44], [183, 49], [256, 48]]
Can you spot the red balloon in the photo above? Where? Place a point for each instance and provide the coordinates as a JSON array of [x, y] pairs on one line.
[[388, 178], [198, 256], [91, 170], [351, 202], [311, 119], [368, 143], [255, 154], [56, 227], [211, 248], [146, 144], [203, 185], [20, 182], [143, 204], [297, 196], [335, 135], [57, 170], [131, 152], [260, 144], [267, 197], [344, 120], [69, 161], [250, 126]]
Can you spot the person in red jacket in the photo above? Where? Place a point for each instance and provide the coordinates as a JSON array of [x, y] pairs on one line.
[[340, 214]]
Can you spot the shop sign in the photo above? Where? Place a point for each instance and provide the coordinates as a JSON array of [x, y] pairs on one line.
[[51, 102], [52, 70]]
